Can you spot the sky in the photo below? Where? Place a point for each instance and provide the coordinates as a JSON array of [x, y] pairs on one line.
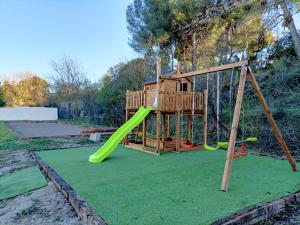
[[33, 33], [36, 32]]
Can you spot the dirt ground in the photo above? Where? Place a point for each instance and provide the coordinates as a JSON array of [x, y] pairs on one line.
[[39, 207], [42, 129]]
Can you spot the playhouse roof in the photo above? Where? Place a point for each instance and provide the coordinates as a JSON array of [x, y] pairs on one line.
[[166, 74]]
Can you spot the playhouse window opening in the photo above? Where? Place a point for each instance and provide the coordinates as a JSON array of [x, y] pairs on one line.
[[183, 87]]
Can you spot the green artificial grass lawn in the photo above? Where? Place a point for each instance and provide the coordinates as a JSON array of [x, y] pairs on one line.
[[131, 187], [21, 182]]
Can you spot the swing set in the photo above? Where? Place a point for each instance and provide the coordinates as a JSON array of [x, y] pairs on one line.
[[172, 95], [225, 144]]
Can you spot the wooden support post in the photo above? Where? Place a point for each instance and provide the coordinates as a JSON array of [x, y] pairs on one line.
[[178, 131], [169, 127], [126, 118], [233, 133], [163, 133], [271, 120], [145, 132], [205, 117], [145, 121], [190, 120], [158, 124]]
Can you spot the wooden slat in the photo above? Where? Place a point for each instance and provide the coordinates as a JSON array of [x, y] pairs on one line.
[[211, 69], [169, 101], [271, 120], [233, 133]]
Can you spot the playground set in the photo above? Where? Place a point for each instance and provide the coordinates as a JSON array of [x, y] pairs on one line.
[[173, 95]]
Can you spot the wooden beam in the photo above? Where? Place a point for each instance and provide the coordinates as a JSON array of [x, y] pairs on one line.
[[178, 131], [145, 120], [205, 117], [158, 124], [158, 73], [233, 132], [271, 120], [145, 132], [163, 133], [212, 69], [126, 119]]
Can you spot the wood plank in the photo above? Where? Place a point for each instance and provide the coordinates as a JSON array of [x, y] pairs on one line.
[[233, 133], [271, 120], [158, 73], [178, 131], [212, 69], [145, 132], [158, 124], [163, 133], [141, 148], [126, 119], [145, 120]]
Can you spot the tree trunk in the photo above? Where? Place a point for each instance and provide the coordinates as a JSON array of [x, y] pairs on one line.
[[289, 22], [69, 111]]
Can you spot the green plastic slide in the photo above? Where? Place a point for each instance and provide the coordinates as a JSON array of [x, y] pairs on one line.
[[115, 139]]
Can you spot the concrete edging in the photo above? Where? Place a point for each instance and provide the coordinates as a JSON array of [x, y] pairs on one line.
[[81, 207]]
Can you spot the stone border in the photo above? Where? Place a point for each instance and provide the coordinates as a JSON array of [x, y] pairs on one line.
[[262, 211], [248, 216], [81, 207]]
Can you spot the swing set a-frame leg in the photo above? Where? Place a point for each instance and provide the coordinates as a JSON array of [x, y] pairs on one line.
[[271, 120], [234, 127], [227, 170]]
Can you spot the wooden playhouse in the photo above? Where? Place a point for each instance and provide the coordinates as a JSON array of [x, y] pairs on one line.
[[176, 100]]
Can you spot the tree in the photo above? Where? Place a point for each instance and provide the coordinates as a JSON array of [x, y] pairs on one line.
[[89, 95], [30, 91], [221, 29], [271, 8], [113, 86], [289, 22], [67, 85]]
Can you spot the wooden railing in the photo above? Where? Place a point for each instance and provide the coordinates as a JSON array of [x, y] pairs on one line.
[[168, 101], [134, 99]]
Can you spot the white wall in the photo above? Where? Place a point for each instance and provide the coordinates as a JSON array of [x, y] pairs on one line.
[[28, 113]]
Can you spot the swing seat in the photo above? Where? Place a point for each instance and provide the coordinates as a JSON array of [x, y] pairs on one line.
[[251, 139], [223, 144], [211, 148]]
